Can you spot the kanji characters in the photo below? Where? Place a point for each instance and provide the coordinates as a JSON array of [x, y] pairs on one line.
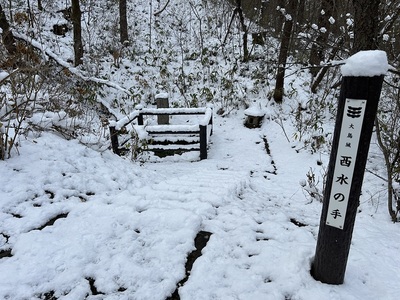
[[336, 213], [342, 179], [345, 161]]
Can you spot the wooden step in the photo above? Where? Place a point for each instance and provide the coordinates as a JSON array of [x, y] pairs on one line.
[[176, 140], [173, 129], [191, 147]]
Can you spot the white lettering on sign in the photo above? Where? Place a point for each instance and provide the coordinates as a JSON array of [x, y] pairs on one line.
[[353, 117]]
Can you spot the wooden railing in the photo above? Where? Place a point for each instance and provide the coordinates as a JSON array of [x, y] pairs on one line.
[[167, 138]]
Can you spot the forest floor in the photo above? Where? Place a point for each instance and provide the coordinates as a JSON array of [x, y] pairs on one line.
[[79, 224]]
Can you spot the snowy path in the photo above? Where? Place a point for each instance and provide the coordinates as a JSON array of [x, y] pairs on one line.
[[124, 230]]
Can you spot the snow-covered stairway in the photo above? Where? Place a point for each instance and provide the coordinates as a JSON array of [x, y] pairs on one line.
[[216, 192], [211, 187]]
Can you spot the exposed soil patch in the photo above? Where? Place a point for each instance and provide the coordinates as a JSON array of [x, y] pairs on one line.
[[200, 242], [84, 198], [50, 194], [52, 221], [93, 287], [268, 150], [5, 253], [297, 223], [49, 296], [5, 236]]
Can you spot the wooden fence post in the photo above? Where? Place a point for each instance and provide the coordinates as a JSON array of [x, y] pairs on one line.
[[203, 141], [162, 102], [211, 122], [114, 140], [140, 119], [357, 109]]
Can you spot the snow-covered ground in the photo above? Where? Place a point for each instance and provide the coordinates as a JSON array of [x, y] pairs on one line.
[[126, 228], [76, 223]]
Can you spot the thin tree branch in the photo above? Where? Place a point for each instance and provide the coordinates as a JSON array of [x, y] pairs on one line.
[[229, 27], [9, 75], [394, 71], [162, 9], [377, 175]]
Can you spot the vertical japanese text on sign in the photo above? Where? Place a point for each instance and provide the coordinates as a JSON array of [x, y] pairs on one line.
[[345, 161]]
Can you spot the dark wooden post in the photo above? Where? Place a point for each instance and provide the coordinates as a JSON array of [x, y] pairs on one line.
[[114, 140], [211, 122], [140, 119], [354, 123], [162, 102], [203, 141]]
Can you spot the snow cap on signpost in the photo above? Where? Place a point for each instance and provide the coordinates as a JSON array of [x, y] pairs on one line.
[[358, 103], [367, 63]]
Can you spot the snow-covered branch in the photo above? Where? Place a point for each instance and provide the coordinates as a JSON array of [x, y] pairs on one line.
[[73, 70], [48, 53]]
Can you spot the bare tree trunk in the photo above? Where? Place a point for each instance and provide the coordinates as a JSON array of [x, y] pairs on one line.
[[30, 14], [366, 25], [150, 22], [301, 12], [284, 50], [76, 21], [7, 35], [123, 22], [322, 71], [10, 9], [196, 13], [244, 29], [39, 4], [277, 16], [318, 48]]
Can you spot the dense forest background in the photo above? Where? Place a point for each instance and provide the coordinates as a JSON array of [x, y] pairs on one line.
[[71, 66]]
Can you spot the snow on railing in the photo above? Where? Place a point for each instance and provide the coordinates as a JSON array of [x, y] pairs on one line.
[[203, 129], [172, 128], [125, 120], [174, 111]]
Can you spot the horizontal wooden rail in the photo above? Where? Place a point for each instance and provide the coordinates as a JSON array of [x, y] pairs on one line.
[[173, 111], [199, 130]]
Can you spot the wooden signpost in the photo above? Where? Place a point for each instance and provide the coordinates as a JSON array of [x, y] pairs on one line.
[[343, 174], [357, 109]]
